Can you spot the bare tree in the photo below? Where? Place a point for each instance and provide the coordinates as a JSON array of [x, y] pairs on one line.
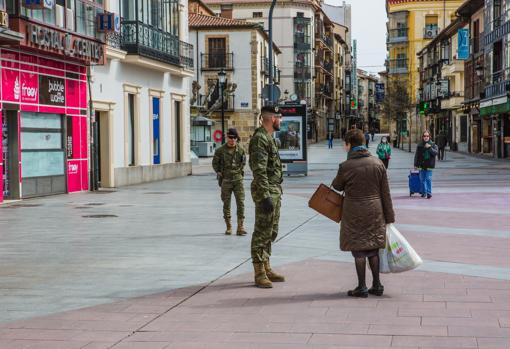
[[398, 105]]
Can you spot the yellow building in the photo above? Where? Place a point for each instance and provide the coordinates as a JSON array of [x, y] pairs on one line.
[[412, 24]]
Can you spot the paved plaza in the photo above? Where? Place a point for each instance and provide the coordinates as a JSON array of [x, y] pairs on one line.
[[148, 267]]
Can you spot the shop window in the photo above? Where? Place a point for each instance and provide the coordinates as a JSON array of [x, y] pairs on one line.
[[257, 14], [42, 145]]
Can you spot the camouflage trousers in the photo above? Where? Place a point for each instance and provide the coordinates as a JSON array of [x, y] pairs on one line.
[[266, 231], [227, 188]]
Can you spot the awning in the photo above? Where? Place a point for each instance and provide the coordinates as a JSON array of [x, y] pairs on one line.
[[495, 106], [202, 121]]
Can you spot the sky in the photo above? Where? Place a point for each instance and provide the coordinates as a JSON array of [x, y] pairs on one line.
[[369, 28]]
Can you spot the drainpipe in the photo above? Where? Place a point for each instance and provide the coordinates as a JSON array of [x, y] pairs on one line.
[[271, 69]]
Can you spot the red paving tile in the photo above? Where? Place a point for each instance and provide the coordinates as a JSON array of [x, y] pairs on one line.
[[419, 310]]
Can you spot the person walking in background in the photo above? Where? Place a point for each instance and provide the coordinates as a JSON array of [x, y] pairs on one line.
[[330, 140], [425, 161], [372, 133], [367, 209], [266, 192], [228, 163], [367, 138], [384, 151], [441, 141], [344, 131]]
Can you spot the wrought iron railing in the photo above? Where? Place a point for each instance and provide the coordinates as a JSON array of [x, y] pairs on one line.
[[113, 39], [302, 41], [148, 41], [398, 66], [398, 35], [302, 72], [217, 61], [228, 102], [186, 55]]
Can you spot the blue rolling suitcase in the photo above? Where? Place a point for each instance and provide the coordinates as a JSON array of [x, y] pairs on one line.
[[414, 182]]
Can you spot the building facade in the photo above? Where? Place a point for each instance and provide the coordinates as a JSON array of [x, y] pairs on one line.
[[478, 140], [495, 104], [441, 93], [241, 50], [412, 24], [45, 56], [140, 96], [306, 72]]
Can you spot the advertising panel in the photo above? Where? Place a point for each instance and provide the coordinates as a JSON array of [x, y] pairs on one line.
[[291, 138], [463, 44]]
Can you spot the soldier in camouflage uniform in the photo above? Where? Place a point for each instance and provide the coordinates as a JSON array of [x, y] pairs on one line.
[[228, 163], [266, 191]]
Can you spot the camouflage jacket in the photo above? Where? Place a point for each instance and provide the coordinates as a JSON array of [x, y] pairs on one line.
[[229, 164], [266, 166]]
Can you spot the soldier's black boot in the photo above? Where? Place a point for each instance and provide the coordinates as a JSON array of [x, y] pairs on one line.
[[229, 226], [271, 274], [261, 279], [240, 227]]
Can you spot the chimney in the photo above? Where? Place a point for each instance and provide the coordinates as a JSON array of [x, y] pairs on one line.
[[226, 11]]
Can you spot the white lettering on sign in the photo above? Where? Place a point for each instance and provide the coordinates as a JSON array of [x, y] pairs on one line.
[[30, 92], [65, 43]]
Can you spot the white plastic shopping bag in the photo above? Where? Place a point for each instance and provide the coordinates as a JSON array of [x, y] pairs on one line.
[[398, 256]]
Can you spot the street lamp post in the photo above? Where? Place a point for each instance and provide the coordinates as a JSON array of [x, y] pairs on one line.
[[221, 79]]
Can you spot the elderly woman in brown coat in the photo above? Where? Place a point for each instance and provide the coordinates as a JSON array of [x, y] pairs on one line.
[[367, 209]]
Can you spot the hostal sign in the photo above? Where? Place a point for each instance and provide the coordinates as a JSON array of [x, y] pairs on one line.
[[64, 43]]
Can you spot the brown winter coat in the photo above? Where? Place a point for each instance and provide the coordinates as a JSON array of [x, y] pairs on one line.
[[367, 206]]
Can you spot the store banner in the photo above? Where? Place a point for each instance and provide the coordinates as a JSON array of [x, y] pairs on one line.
[[29, 87], [11, 86], [379, 92], [463, 44], [52, 91]]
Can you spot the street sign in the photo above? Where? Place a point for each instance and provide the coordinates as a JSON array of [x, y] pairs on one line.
[[276, 94]]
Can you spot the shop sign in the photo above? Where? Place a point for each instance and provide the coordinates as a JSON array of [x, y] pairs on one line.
[[4, 19], [29, 87], [463, 44], [39, 4], [108, 22], [52, 90], [64, 43]]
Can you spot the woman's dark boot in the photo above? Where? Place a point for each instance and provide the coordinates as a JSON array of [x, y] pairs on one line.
[[376, 290], [361, 292]]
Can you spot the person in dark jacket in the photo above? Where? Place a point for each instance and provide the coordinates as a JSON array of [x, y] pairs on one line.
[[425, 161], [367, 209], [441, 142], [367, 138]]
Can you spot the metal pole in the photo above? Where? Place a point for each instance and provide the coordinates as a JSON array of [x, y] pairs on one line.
[[222, 116], [271, 69]]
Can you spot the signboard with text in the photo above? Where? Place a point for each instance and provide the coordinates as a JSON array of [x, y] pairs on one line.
[[463, 44]]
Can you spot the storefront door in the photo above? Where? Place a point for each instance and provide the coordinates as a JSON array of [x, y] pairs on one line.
[[10, 186], [42, 154]]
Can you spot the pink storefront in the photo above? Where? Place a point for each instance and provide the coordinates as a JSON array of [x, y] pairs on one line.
[[43, 102]]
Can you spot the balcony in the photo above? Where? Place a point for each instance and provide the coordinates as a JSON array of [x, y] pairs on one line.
[[216, 61], [264, 67], [302, 72], [147, 41], [302, 42], [398, 66], [325, 89], [228, 103], [499, 86], [398, 35], [453, 67]]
